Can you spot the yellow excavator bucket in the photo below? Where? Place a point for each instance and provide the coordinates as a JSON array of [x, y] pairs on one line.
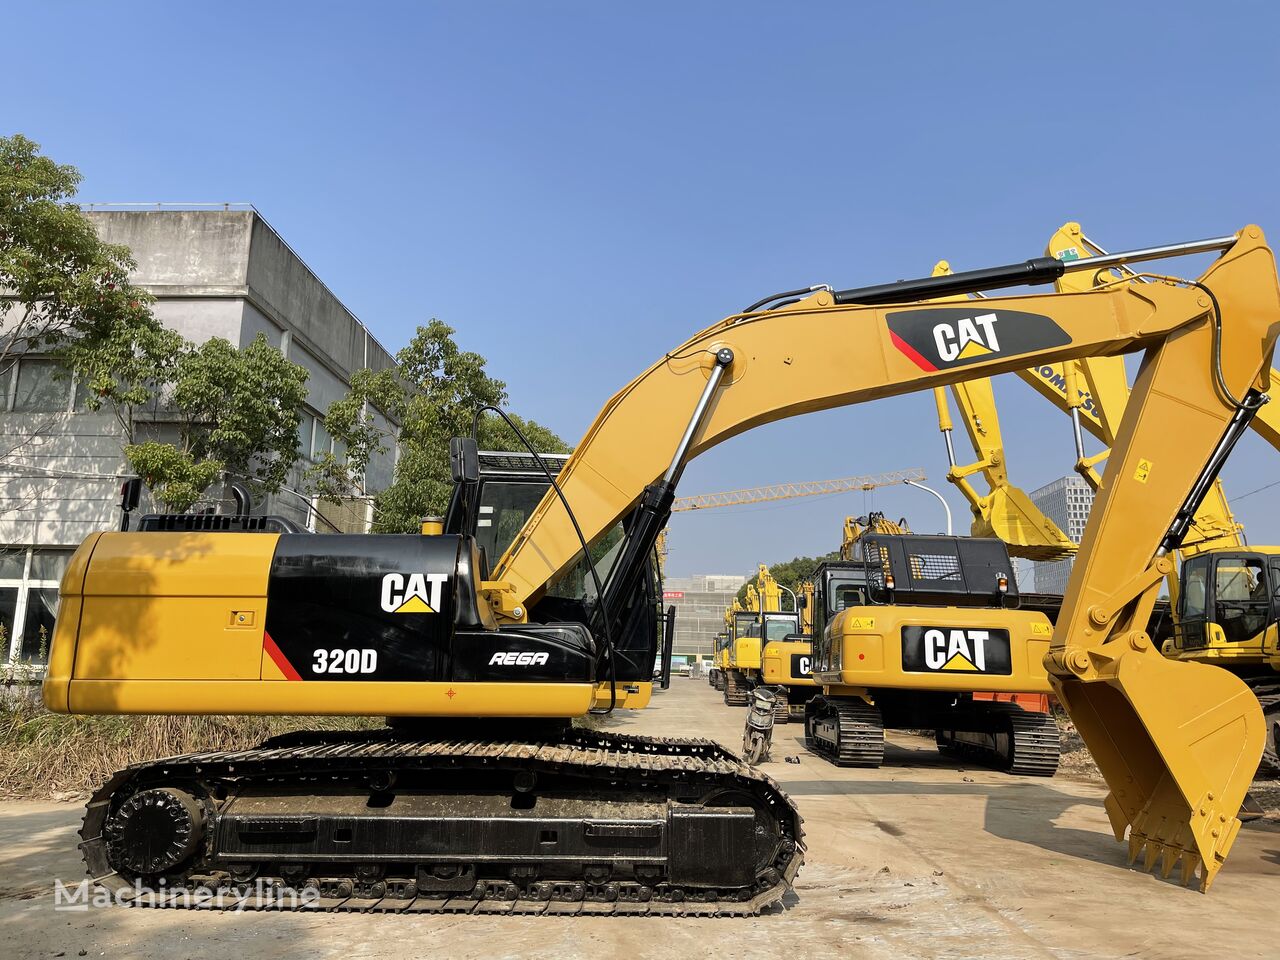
[[1178, 744], [1009, 514]]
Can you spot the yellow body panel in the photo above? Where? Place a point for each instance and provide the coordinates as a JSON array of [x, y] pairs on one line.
[[631, 696], [173, 623], [745, 653], [331, 698], [866, 649], [776, 663]]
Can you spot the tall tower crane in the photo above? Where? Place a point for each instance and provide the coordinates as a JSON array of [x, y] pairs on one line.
[[788, 491]]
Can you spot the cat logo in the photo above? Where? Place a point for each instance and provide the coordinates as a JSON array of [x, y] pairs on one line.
[[962, 339], [414, 593], [801, 665], [525, 659], [938, 649], [935, 338], [956, 649]]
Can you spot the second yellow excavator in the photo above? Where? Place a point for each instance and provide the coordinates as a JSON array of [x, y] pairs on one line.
[[916, 631], [483, 798]]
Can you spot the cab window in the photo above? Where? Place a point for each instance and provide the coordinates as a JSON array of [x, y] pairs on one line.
[[779, 629], [1241, 597], [844, 594], [1195, 588]]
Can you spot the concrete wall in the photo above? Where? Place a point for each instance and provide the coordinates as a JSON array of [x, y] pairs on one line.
[[205, 251]]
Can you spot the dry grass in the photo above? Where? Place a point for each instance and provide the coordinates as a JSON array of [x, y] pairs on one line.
[[47, 755]]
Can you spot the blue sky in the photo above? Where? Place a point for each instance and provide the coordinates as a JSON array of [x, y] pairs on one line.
[[576, 187]]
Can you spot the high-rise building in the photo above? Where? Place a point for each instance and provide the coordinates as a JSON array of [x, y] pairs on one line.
[[700, 602], [1066, 502]]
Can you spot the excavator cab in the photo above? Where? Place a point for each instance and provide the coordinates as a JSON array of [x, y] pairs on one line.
[[495, 506], [1229, 601]]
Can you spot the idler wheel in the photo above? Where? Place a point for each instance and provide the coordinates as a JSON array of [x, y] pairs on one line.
[[154, 831]]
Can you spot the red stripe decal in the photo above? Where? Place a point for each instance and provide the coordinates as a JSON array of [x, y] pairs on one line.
[[278, 658], [911, 353]]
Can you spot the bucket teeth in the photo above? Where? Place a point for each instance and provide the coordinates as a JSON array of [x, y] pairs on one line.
[[1189, 863], [1153, 852], [1170, 852]]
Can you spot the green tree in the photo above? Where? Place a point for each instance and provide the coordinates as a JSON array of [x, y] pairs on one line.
[[237, 412], [66, 291], [790, 573], [434, 394]]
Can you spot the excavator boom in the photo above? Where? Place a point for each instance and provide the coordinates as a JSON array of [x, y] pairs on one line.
[[1176, 744]]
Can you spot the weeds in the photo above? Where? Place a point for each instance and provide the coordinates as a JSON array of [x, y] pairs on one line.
[[47, 755]]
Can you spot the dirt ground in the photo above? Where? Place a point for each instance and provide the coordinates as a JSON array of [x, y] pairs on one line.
[[920, 858]]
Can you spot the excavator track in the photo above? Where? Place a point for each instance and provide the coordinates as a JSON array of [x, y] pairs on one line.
[[1019, 742], [847, 731], [588, 822], [1268, 693], [781, 707], [736, 691]]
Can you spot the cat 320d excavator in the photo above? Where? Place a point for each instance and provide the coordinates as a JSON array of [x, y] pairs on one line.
[[490, 801]]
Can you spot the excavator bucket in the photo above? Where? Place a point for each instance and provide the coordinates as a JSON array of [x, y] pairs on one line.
[[1013, 518], [1178, 744]]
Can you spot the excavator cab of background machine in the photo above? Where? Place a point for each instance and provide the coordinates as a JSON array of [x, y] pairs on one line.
[[1227, 598]]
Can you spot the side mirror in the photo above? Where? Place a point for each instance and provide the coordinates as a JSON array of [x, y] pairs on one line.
[[464, 460], [802, 602]]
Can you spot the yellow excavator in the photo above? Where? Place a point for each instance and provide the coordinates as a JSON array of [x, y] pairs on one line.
[[724, 639], [786, 659], [483, 797], [763, 620], [925, 632]]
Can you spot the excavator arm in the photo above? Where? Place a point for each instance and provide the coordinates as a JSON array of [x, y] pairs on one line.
[[1006, 511], [1177, 743]]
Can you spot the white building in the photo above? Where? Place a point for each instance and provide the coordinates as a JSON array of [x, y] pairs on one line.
[[215, 273]]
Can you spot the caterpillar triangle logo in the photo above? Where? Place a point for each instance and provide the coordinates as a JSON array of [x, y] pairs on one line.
[[414, 605], [960, 662], [415, 593], [974, 349]]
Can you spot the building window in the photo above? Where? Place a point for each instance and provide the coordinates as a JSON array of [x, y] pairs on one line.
[[29, 601], [37, 625], [41, 386], [323, 443], [306, 427]]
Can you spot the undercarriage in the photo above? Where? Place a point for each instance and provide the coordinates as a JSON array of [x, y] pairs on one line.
[[582, 823]]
